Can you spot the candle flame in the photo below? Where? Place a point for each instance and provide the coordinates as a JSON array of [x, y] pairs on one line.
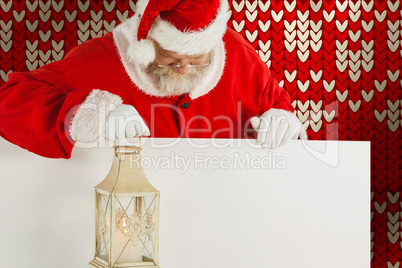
[[124, 224], [107, 222]]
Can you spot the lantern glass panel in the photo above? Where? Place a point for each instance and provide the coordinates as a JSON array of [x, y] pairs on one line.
[[103, 226], [135, 229]]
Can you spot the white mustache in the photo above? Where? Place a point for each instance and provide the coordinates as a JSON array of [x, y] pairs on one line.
[[171, 82]]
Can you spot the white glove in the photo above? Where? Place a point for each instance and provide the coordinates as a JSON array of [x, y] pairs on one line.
[[125, 122], [276, 127]]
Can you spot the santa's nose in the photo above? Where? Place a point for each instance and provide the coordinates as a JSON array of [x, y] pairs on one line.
[[183, 68]]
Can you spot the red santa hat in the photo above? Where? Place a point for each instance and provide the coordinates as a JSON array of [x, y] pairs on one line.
[[186, 27]]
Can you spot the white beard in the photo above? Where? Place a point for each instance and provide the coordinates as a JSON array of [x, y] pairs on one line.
[[172, 83]]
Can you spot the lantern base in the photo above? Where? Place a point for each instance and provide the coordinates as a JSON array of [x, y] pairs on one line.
[[98, 264]]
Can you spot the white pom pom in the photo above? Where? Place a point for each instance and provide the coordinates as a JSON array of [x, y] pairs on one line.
[[142, 52]]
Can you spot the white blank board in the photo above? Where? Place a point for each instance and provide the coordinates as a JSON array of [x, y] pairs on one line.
[[234, 206]]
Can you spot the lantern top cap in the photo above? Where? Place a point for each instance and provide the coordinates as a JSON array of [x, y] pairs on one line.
[[126, 175]]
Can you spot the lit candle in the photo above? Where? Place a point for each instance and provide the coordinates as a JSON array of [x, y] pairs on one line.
[[131, 253]]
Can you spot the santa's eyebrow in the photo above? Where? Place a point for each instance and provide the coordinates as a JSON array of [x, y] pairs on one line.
[[165, 54]]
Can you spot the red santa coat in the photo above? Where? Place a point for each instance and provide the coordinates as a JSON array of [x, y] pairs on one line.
[[39, 109]]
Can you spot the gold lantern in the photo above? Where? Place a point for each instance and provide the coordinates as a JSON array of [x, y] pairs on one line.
[[126, 215]]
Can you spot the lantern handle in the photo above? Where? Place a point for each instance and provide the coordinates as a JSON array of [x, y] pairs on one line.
[[115, 142], [134, 149]]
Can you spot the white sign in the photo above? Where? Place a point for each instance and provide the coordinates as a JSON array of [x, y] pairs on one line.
[[224, 203]]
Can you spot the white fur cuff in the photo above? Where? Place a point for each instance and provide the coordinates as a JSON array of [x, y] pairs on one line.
[[88, 122]]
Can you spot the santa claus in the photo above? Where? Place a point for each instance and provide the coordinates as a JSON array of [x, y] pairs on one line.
[[174, 69]]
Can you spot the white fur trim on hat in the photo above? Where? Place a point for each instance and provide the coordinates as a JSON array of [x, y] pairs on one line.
[[193, 42], [142, 51], [88, 122]]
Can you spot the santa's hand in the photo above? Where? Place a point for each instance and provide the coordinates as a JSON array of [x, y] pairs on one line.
[[276, 127], [125, 122]]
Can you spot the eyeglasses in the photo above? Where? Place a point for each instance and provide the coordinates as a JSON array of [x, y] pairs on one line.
[[178, 65]]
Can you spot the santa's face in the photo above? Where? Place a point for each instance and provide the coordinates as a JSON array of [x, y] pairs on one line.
[[176, 74]]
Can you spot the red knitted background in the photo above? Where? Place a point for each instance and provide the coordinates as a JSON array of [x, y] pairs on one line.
[[339, 60]]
